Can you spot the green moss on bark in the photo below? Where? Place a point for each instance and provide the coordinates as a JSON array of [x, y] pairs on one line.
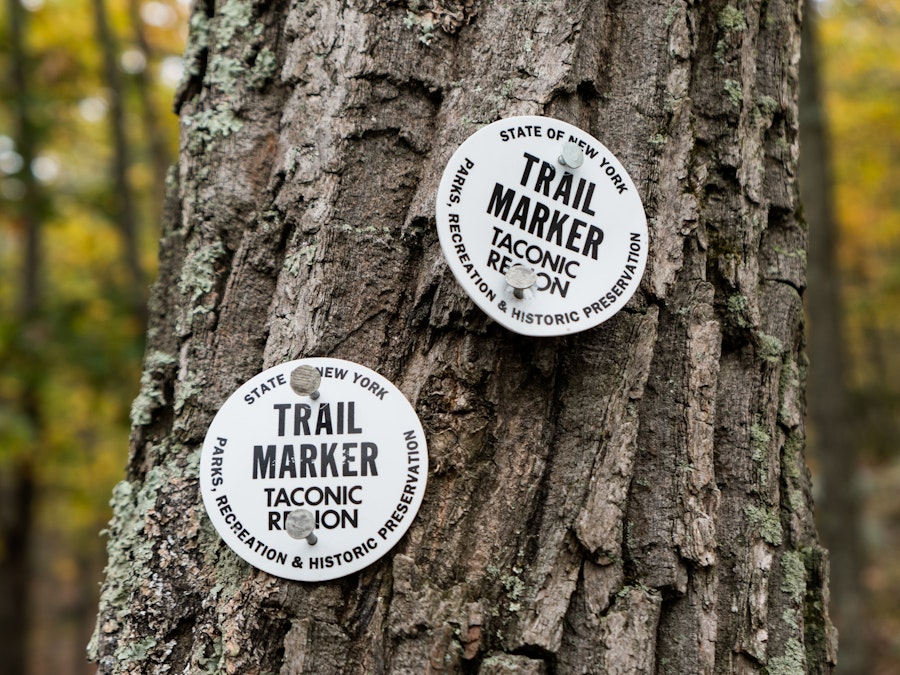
[[767, 523]]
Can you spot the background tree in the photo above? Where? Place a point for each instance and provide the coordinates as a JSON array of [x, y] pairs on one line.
[[627, 499], [17, 486], [860, 68], [835, 428], [70, 334]]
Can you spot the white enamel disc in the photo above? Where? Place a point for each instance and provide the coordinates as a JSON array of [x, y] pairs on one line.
[[354, 459], [541, 193]]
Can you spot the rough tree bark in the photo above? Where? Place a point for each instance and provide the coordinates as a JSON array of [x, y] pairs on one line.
[[629, 499]]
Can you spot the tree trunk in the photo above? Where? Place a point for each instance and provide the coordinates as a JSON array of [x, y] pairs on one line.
[[153, 132], [18, 484], [835, 432], [632, 498], [124, 211]]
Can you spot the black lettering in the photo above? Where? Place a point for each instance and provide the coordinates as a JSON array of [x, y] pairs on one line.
[[288, 465], [586, 207], [574, 234], [326, 460], [282, 409], [348, 459], [538, 218], [530, 160], [369, 454], [556, 226], [545, 177], [263, 464], [593, 241], [301, 418], [323, 420], [520, 215], [307, 459], [563, 188], [351, 419], [501, 202]]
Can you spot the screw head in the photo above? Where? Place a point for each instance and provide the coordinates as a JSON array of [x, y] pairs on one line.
[[520, 277], [305, 381], [572, 156], [300, 524]]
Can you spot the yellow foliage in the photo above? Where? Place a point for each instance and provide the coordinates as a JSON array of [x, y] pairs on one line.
[[78, 357], [861, 78]]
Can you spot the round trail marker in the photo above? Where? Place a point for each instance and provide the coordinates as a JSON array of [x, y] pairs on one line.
[[542, 194], [309, 487]]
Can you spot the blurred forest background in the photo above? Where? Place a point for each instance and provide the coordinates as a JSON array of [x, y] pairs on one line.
[[86, 135]]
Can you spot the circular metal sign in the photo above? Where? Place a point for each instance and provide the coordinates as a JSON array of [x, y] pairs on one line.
[[539, 193], [314, 484]]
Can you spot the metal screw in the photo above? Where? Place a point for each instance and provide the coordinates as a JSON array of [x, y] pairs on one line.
[[572, 156], [300, 525], [305, 381], [520, 278]]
